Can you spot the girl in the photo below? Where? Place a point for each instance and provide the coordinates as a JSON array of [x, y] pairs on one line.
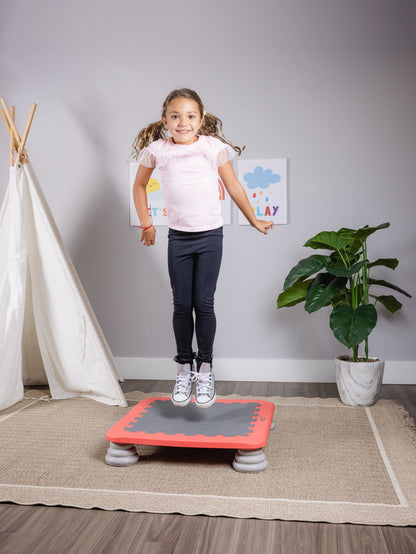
[[190, 160]]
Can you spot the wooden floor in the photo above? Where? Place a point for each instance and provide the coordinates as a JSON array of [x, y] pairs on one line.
[[41, 529]]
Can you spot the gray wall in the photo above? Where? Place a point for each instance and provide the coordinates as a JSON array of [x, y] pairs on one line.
[[329, 84]]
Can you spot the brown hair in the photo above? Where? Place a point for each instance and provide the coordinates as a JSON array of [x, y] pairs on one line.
[[211, 125]]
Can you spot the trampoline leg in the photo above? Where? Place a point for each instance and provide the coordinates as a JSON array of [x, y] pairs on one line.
[[250, 461], [121, 454]]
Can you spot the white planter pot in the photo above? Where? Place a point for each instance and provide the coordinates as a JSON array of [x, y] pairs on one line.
[[359, 382]]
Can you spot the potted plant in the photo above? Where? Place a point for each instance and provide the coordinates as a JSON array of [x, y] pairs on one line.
[[342, 281]]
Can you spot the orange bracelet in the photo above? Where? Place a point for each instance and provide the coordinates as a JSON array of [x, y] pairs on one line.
[[146, 228]]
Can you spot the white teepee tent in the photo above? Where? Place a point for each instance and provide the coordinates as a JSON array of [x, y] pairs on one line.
[[47, 326]]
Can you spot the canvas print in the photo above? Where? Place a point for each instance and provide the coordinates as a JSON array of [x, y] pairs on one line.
[[265, 182], [156, 200]]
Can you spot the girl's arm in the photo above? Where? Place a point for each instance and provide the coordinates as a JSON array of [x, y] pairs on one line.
[[143, 175], [238, 194]]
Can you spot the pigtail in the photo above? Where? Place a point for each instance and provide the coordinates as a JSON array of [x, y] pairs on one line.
[[212, 126], [148, 134]]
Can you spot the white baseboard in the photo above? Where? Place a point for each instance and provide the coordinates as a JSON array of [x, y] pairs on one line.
[[276, 370]]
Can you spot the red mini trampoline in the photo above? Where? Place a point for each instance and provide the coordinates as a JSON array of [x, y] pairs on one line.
[[240, 424]]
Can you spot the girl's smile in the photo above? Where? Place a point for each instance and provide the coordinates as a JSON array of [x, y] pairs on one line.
[[183, 120]]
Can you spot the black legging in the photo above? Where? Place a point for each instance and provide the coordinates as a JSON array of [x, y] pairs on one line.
[[194, 261]]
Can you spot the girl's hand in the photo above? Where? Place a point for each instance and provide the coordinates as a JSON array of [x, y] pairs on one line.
[[148, 236], [263, 226]]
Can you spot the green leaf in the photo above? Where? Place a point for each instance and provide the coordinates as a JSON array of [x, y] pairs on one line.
[[353, 243], [305, 268], [347, 259], [295, 294], [383, 283], [351, 326], [363, 233], [346, 232], [340, 298], [328, 240], [344, 239], [391, 263], [356, 237], [389, 302], [323, 289], [340, 271]]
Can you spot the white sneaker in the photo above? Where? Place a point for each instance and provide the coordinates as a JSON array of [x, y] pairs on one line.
[[182, 391], [205, 387]]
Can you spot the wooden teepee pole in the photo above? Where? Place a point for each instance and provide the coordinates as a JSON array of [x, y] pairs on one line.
[[26, 133], [18, 143], [10, 123], [12, 139]]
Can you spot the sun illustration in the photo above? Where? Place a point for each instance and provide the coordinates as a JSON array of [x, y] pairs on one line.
[[152, 186]]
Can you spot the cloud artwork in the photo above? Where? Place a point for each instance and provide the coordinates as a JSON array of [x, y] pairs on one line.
[[261, 178], [265, 182]]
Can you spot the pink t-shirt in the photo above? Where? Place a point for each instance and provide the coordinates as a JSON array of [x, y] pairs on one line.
[[190, 180]]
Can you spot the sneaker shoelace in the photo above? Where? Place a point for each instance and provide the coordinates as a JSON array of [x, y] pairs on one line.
[[183, 380], [205, 383]]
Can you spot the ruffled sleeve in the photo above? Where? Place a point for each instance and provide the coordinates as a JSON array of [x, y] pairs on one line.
[[147, 158], [225, 154]]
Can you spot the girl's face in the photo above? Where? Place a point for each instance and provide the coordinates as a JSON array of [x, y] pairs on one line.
[[183, 120]]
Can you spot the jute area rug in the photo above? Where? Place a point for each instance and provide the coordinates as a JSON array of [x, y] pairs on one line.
[[327, 462]]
